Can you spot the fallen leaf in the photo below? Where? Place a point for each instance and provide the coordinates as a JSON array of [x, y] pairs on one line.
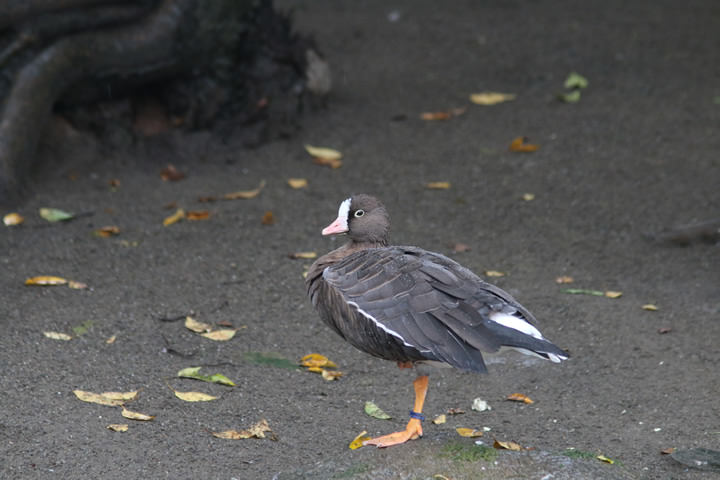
[[193, 372], [256, 431], [197, 215], [175, 217], [575, 80], [376, 412], [564, 279], [431, 116], [323, 153], [297, 182], [331, 375], [519, 145], [651, 307], [55, 214], [507, 446], [455, 411], [124, 396], [57, 336], [83, 328], [328, 162], [12, 219], [491, 98], [359, 440], [222, 335], [171, 174], [519, 397], [245, 194], [194, 396], [528, 197], [461, 247], [268, 218], [114, 183], [143, 417], [612, 294], [584, 291], [605, 459], [44, 280], [437, 185], [111, 340], [494, 273], [118, 427], [304, 255], [195, 326], [469, 432], [440, 476], [76, 285], [480, 405], [440, 419], [107, 231], [570, 97], [663, 330], [111, 399], [667, 451], [316, 360]]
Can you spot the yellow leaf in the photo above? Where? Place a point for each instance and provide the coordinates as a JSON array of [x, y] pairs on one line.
[[528, 197], [519, 397], [194, 396], [440, 419], [469, 432], [358, 441], [328, 162], [564, 279], [195, 326], [304, 255], [650, 306], [12, 219], [45, 280], [57, 335], [245, 194], [136, 415], [256, 431], [316, 369], [111, 340], [437, 185], [494, 273], [123, 396], [111, 399], [323, 153], [605, 459], [221, 335], [491, 98], [612, 294], [175, 217], [316, 360], [519, 145], [331, 375], [118, 427], [297, 182], [507, 446]]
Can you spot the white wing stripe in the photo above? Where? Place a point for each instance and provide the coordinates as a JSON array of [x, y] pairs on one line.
[[380, 325]]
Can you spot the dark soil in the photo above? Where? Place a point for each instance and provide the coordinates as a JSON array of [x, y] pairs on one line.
[[638, 153]]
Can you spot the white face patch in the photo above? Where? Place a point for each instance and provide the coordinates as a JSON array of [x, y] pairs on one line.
[[344, 211]]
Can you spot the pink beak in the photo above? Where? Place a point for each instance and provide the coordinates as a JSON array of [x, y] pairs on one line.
[[338, 226]]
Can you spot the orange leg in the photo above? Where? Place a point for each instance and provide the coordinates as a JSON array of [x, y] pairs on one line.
[[414, 426]]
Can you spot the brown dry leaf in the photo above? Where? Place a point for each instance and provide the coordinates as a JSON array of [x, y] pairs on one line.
[[45, 280], [195, 326], [268, 218], [143, 417], [297, 182], [245, 194], [491, 98], [197, 215], [114, 182], [440, 419], [328, 162], [175, 217], [12, 219], [316, 360], [667, 451], [111, 399], [564, 279], [469, 432], [304, 255], [455, 411], [107, 231], [435, 116], [323, 153], [222, 335], [171, 174], [494, 273], [57, 336], [519, 397], [437, 185], [519, 145], [650, 306], [111, 340], [612, 294], [358, 441], [331, 375], [194, 396], [256, 431], [461, 247], [76, 285], [118, 427], [507, 446]]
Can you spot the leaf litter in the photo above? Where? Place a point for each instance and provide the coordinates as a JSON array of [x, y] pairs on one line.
[[374, 411], [194, 373], [110, 399], [317, 363], [142, 417], [257, 430]]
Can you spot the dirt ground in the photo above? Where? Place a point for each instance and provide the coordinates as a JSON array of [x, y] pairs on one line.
[[636, 154]]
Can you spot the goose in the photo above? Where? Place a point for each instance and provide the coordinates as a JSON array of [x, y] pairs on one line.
[[413, 306]]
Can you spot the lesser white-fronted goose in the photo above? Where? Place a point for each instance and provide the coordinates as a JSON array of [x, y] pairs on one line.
[[410, 305]]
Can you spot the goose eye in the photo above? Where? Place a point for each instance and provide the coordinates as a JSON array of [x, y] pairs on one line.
[[359, 213]]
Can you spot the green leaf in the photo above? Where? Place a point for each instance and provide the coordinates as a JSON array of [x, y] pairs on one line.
[[575, 80], [374, 411], [55, 214], [570, 97], [83, 328], [272, 359], [194, 373], [582, 291]]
